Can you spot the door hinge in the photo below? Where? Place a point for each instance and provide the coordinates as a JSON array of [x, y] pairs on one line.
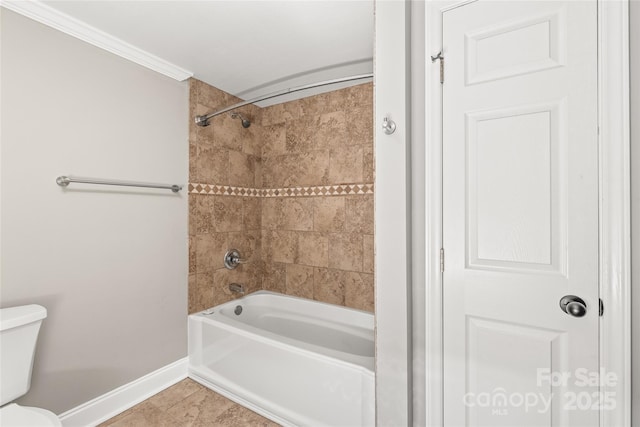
[[601, 311], [434, 58], [441, 260]]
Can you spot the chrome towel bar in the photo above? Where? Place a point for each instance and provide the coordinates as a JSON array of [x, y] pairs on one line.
[[64, 181]]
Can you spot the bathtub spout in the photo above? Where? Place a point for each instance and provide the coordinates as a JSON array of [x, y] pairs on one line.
[[236, 288]]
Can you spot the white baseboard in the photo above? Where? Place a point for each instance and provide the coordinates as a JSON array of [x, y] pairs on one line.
[[116, 401]]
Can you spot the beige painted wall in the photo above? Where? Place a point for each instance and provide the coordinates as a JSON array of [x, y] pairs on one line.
[[635, 204], [109, 264]]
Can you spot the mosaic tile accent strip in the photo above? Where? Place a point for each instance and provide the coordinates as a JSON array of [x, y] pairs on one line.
[[320, 190], [311, 191], [223, 190]]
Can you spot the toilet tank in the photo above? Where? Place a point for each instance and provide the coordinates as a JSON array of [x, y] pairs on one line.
[[19, 327]]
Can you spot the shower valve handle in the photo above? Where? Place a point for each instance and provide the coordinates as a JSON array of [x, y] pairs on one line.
[[232, 259]]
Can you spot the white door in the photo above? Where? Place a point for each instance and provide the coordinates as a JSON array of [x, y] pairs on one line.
[[520, 202]]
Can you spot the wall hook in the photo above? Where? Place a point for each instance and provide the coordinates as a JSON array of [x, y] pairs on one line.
[[388, 125]]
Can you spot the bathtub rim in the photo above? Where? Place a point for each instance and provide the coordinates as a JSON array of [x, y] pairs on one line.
[[364, 363], [293, 297]]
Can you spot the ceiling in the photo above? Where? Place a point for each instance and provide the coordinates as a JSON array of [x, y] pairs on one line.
[[246, 48]]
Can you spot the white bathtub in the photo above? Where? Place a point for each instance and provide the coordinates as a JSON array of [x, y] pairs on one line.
[[296, 361]]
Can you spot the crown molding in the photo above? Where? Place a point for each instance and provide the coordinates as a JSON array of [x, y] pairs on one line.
[[53, 18]]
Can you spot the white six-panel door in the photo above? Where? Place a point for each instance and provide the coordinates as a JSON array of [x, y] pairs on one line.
[[520, 209]]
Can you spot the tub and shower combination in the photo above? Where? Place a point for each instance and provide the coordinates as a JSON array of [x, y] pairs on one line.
[[296, 361]]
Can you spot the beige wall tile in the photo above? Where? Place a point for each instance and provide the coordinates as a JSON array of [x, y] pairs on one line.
[[290, 213], [274, 139], [249, 275], [368, 254], [193, 169], [293, 109], [204, 134], [328, 286], [192, 254], [221, 279], [210, 250], [346, 165], [252, 213], [193, 302], [228, 132], [241, 169], [270, 173], [358, 290], [204, 297], [248, 243], [313, 249], [255, 143], [330, 130], [329, 214], [314, 105], [359, 96], [327, 102], [271, 209], [297, 213], [300, 281], [192, 109], [212, 165], [280, 246], [266, 252], [211, 97], [274, 277], [257, 177], [345, 251], [200, 110], [291, 170], [274, 114], [203, 213], [193, 215], [227, 213], [360, 129], [368, 163], [299, 136], [318, 132], [250, 136], [359, 214]]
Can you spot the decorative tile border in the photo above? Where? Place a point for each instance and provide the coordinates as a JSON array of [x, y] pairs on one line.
[[223, 190], [319, 190], [311, 191]]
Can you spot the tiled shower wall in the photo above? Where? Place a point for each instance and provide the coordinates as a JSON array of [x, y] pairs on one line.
[[320, 247], [223, 154], [293, 193]]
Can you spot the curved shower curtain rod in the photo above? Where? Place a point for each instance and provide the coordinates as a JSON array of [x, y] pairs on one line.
[[204, 120]]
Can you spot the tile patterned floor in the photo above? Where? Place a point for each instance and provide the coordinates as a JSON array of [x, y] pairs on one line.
[[188, 404]]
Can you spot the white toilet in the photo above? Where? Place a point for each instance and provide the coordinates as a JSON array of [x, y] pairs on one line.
[[19, 327]]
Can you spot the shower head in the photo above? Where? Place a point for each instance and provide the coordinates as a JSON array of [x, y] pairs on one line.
[[245, 122]]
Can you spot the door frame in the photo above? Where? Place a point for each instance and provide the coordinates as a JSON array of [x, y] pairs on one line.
[[614, 206]]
